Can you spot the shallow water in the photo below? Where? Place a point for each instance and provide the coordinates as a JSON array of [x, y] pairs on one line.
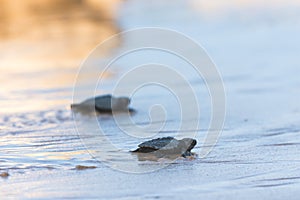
[[256, 50]]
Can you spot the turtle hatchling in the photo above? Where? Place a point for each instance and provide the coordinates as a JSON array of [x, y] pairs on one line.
[[167, 146], [105, 104]]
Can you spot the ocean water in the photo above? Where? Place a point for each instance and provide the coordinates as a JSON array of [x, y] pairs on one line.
[[256, 49]]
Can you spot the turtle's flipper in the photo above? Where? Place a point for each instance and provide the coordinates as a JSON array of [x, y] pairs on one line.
[[185, 154]]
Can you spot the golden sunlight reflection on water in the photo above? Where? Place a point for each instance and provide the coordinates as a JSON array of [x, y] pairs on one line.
[[42, 43], [38, 34]]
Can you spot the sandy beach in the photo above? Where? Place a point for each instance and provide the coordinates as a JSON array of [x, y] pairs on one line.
[[46, 155]]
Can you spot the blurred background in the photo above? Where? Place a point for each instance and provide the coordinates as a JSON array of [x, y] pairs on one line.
[[60, 30], [46, 40], [43, 41]]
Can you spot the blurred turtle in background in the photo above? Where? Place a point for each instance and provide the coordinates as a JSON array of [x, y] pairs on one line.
[[104, 104]]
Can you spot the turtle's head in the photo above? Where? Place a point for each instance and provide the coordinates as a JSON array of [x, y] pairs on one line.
[[189, 143], [124, 101], [120, 103]]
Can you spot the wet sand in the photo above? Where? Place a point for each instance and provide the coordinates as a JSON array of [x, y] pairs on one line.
[[255, 157]]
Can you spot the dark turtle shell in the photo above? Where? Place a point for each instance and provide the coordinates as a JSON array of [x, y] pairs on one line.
[[167, 145], [160, 143], [104, 103]]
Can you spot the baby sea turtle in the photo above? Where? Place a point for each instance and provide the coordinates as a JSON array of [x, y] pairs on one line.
[[104, 103], [167, 146]]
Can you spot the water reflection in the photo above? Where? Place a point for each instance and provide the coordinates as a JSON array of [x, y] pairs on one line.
[[42, 43], [39, 32], [55, 18]]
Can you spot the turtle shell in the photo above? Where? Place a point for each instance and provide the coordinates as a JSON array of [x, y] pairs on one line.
[[165, 143], [105, 103]]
